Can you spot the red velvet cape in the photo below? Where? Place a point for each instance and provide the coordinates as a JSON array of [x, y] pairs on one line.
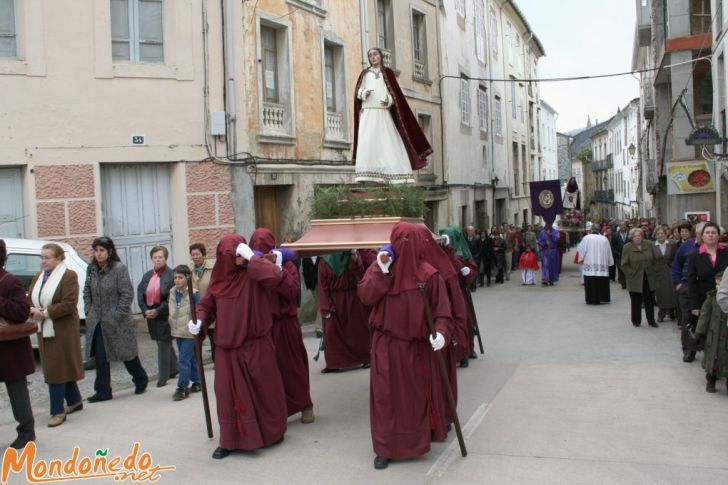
[[414, 139]]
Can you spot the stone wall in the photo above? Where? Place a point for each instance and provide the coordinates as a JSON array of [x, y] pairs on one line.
[[209, 209], [66, 205]]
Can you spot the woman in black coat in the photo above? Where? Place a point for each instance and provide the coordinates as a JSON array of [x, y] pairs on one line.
[[499, 254], [152, 296], [703, 264], [16, 356], [486, 257]]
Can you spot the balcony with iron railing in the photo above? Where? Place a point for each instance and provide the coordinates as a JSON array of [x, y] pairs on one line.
[[601, 165], [606, 196], [651, 178], [644, 22], [648, 99]]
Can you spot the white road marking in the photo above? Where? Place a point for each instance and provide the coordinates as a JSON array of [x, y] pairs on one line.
[[439, 468]]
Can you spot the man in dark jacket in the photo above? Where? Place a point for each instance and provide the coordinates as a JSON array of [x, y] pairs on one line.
[[619, 239], [474, 245], [688, 321]]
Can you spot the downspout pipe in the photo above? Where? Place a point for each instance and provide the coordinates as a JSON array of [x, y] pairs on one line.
[[229, 62]]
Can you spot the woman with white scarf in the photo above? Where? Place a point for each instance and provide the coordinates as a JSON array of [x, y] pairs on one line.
[[53, 298]]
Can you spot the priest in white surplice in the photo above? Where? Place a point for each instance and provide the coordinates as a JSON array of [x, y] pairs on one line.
[[596, 255]]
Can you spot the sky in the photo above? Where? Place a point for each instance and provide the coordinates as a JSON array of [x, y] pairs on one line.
[[584, 37]]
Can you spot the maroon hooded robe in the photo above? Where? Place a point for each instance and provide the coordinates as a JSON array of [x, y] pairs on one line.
[[465, 281], [251, 402], [287, 336], [346, 332], [438, 258], [403, 386]]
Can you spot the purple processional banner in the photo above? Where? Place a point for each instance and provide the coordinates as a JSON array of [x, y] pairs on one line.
[[546, 199]]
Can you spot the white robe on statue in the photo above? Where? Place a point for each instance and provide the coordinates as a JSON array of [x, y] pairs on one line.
[[380, 154]]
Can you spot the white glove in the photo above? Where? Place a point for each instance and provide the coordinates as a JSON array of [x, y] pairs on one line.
[[446, 242], [465, 271], [438, 342], [384, 266], [193, 327], [244, 251], [354, 254], [279, 258]]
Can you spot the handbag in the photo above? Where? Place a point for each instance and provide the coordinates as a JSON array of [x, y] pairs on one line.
[[15, 331]]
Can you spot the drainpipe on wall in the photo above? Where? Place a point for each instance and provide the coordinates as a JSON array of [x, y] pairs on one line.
[[443, 138], [229, 73]]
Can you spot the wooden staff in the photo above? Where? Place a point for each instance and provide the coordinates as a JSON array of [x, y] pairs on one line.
[[198, 354], [443, 370], [471, 312]]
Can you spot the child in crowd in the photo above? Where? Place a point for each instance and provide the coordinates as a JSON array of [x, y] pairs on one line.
[[713, 332], [179, 314], [528, 264]]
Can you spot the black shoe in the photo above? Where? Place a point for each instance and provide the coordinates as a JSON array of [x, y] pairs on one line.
[[89, 364], [326, 370], [636, 324], [180, 394], [652, 324], [366, 365], [319, 333], [710, 383], [98, 398], [473, 355], [220, 453], [140, 388], [20, 443], [161, 382], [464, 363], [195, 388], [688, 358], [380, 463]]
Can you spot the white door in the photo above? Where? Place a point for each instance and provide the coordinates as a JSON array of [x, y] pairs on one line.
[[136, 212], [11, 203]]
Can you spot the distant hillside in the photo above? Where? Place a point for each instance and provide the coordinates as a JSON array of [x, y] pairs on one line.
[[574, 132]]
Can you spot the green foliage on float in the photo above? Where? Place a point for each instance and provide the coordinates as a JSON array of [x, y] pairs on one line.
[[345, 201]]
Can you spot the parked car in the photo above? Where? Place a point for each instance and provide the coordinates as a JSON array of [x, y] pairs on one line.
[[24, 262]]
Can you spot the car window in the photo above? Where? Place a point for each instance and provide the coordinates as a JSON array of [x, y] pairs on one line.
[[23, 266]]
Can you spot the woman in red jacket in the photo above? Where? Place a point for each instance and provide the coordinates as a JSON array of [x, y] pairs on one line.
[[16, 356]]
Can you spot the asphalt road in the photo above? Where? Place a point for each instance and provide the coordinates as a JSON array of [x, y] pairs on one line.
[[564, 394]]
